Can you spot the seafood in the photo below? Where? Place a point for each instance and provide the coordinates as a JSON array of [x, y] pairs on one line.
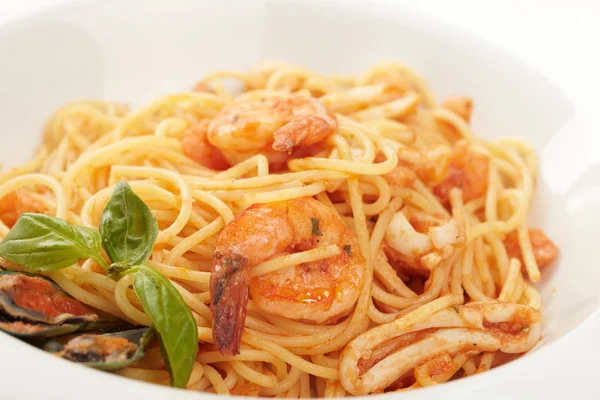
[[468, 171], [16, 203], [377, 358], [196, 146], [107, 351], [543, 248], [275, 127], [429, 166], [422, 251], [318, 292], [32, 305]]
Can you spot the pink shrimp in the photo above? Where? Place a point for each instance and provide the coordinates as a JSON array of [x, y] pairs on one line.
[[14, 204], [196, 146], [544, 249], [318, 292], [276, 127], [468, 170]]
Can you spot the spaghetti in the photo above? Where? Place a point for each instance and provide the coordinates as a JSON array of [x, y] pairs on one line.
[[444, 260]]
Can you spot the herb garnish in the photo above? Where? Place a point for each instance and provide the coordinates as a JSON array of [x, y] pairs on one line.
[[127, 226], [348, 249], [316, 231], [127, 233], [43, 243]]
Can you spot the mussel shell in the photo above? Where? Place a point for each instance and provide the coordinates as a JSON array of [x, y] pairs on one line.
[[108, 351], [60, 307], [26, 329], [19, 292]]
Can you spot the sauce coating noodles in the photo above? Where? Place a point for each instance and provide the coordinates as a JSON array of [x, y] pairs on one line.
[[422, 224]]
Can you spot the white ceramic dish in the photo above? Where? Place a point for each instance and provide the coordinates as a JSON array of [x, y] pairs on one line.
[[132, 51]]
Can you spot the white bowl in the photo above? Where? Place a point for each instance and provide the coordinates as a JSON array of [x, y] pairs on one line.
[[132, 51]]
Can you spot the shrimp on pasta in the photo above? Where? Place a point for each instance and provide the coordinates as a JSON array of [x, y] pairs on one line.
[[544, 249], [17, 203], [468, 171], [197, 147], [280, 232], [319, 292], [274, 126]]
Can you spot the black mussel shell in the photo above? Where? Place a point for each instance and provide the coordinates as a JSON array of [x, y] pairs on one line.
[[105, 351]]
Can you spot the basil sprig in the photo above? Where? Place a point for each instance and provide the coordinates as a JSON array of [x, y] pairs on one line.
[[127, 226], [173, 322], [128, 231], [43, 243]]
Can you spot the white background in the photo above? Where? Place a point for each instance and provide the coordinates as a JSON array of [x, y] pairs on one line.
[[560, 39]]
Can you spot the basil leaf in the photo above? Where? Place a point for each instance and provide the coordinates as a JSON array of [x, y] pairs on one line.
[[44, 243], [173, 322], [127, 226]]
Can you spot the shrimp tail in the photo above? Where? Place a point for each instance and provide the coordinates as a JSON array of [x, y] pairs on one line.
[[229, 293], [300, 131]]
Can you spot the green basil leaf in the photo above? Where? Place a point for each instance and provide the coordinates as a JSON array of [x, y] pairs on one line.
[[127, 226], [44, 243], [173, 322]]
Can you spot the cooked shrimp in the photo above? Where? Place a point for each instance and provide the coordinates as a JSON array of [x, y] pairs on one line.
[[196, 146], [544, 249], [305, 122], [428, 166], [468, 170], [320, 292], [16, 203], [401, 176], [274, 127]]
